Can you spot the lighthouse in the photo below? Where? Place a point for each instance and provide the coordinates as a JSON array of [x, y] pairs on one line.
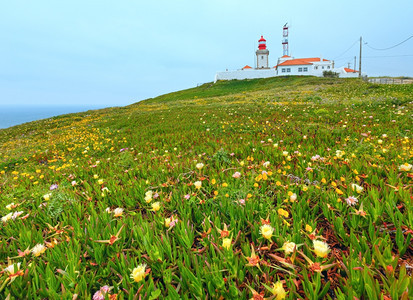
[[262, 54]]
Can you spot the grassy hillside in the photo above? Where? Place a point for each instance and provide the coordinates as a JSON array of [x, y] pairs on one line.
[[276, 188]]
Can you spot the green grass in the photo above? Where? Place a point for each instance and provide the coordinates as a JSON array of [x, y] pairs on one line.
[[321, 137]]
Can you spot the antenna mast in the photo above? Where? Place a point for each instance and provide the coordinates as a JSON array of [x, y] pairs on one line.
[[285, 39]]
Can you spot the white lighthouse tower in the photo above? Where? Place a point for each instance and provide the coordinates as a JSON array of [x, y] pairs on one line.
[[262, 54]]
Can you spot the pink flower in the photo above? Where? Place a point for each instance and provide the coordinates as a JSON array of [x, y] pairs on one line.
[[100, 295], [241, 201], [351, 200], [236, 175], [187, 196]]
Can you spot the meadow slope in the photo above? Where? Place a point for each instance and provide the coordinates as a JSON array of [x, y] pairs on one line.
[[295, 188]]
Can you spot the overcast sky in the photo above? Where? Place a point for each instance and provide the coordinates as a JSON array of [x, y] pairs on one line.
[[111, 53]]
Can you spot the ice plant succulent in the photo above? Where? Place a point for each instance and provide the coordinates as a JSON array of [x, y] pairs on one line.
[[288, 247], [351, 200], [279, 291], [38, 249]]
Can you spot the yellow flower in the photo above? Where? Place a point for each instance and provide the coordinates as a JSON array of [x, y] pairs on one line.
[[100, 181], [167, 222], [283, 212], [138, 273], [38, 249], [288, 247], [224, 184], [266, 231], [278, 183], [47, 197], [96, 176], [213, 181], [156, 206], [308, 228], [226, 243], [198, 184], [323, 180], [305, 188], [279, 291], [321, 249]]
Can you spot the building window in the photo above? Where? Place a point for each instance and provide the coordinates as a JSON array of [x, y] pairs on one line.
[[300, 69], [328, 67], [283, 70], [315, 68], [262, 57], [288, 70], [322, 67], [305, 69]]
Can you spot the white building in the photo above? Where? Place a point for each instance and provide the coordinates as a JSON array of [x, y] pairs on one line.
[[286, 65]]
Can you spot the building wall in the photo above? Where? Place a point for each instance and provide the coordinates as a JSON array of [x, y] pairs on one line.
[[245, 74]]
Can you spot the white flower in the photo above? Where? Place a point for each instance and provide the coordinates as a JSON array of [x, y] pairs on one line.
[[10, 206], [138, 273], [285, 153], [148, 196], [266, 164], [199, 166], [236, 175], [351, 200], [118, 212], [13, 269], [266, 230], [405, 167], [198, 184], [293, 197], [7, 217], [321, 249], [357, 188], [38, 249], [16, 214], [288, 247], [339, 153]]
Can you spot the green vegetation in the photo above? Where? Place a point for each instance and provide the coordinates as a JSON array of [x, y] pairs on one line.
[[294, 187]]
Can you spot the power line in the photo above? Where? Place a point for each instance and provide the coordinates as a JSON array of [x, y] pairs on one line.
[[403, 55], [381, 49], [347, 49]]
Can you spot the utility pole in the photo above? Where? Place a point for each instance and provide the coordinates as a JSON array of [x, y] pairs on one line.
[[361, 41], [355, 63]]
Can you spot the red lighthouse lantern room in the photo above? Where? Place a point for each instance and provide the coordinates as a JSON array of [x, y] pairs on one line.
[[262, 44]]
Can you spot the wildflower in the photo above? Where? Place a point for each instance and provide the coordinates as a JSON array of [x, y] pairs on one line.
[[47, 196], [187, 196], [16, 214], [7, 217], [236, 175], [118, 212], [253, 260], [293, 197], [38, 249], [100, 294], [357, 188], [53, 187], [226, 243], [148, 196], [224, 184], [266, 164], [279, 291], [199, 166], [351, 200], [266, 231], [10, 206], [288, 247], [198, 184], [340, 153], [283, 212], [308, 228], [380, 142], [96, 176], [138, 273], [11, 269], [108, 210], [405, 167], [321, 249], [100, 181], [73, 183], [241, 201], [156, 206]]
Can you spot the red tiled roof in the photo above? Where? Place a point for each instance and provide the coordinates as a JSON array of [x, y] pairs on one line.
[[247, 67], [301, 61], [350, 70], [284, 56], [294, 62]]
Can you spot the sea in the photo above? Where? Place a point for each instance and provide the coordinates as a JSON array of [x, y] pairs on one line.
[[15, 115]]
